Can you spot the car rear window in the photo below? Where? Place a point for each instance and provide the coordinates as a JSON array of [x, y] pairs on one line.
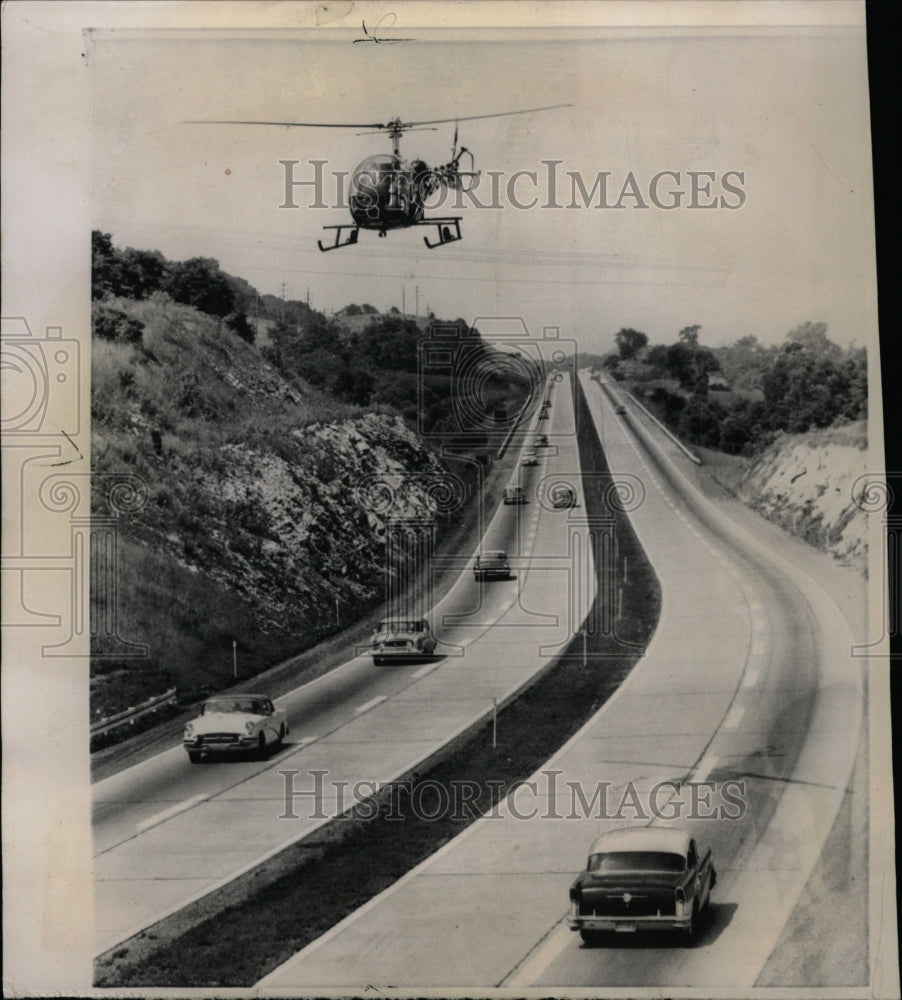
[[637, 861]]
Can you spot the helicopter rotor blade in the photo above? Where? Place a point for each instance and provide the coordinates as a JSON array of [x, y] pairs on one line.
[[473, 118], [207, 121]]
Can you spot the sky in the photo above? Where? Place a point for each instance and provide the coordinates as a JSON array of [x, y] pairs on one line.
[[781, 115]]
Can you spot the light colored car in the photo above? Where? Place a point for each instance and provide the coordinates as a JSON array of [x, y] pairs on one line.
[[641, 878], [542, 441], [514, 494], [235, 723], [402, 639], [529, 458], [492, 565]]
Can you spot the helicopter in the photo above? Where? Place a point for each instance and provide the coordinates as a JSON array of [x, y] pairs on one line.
[[388, 192]]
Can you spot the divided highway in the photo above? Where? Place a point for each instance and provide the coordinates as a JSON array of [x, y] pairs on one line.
[[741, 724], [167, 832]]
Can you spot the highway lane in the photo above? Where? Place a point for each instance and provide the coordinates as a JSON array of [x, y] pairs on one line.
[[167, 831], [747, 678]]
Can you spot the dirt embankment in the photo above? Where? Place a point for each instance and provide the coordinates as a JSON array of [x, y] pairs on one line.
[[811, 485]]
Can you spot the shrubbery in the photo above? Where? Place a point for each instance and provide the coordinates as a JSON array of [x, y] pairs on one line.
[[807, 382]]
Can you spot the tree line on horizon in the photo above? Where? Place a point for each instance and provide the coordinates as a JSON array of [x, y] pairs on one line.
[[737, 398]]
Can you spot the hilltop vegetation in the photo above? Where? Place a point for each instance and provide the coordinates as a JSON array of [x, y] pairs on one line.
[[255, 468], [738, 398], [791, 419]]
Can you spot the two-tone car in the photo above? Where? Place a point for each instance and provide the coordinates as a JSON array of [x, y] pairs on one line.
[[529, 458], [645, 878], [492, 565], [402, 639], [235, 723]]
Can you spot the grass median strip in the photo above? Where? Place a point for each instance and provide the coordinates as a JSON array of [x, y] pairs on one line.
[[236, 935]]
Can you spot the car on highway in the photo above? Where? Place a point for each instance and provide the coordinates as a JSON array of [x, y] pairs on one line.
[[641, 878], [492, 565], [542, 441], [235, 723], [529, 458], [620, 409], [563, 496], [402, 639], [514, 494]]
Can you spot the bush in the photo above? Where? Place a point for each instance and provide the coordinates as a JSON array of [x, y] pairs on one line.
[[113, 324]]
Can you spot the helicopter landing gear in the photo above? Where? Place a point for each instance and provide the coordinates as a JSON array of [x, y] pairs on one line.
[[349, 242], [444, 230]]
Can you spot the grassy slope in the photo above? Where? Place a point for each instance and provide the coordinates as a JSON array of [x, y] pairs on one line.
[[252, 525]]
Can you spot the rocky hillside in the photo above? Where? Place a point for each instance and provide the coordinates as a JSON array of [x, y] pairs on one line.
[[805, 482], [261, 513]]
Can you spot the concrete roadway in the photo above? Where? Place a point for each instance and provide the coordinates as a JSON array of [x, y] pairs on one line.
[[167, 832], [748, 678]]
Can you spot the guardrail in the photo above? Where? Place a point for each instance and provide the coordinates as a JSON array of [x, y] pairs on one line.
[[130, 714], [666, 430]]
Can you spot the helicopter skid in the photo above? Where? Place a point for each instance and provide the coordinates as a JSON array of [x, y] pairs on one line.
[[443, 228], [349, 242]]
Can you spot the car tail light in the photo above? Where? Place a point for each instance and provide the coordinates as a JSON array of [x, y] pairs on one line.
[[680, 900]]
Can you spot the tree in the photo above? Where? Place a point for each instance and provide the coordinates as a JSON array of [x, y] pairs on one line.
[[103, 264], [689, 335], [629, 342], [806, 388], [198, 282], [143, 272], [813, 337], [238, 323]]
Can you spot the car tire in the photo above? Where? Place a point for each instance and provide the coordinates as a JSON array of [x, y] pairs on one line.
[[280, 739], [261, 746], [195, 756], [691, 930], [378, 661], [591, 938]]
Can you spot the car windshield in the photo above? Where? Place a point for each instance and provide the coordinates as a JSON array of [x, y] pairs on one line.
[[398, 625], [228, 705], [637, 861]]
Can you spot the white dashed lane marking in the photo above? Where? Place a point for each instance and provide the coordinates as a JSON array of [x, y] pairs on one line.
[[179, 807], [367, 705]]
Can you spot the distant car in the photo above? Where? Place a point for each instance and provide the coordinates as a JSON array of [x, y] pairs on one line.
[[542, 441], [514, 494], [641, 878], [563, 496], [620, 410], [543, 414], [529, 458], [236, 723], [402, 639], [492, 566]]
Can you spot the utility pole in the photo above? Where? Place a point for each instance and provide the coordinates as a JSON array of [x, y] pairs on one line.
[[403, 301], [417, 313], [283, 301], [308, 297]]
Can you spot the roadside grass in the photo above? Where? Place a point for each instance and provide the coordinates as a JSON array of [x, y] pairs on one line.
[[236, 935]]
